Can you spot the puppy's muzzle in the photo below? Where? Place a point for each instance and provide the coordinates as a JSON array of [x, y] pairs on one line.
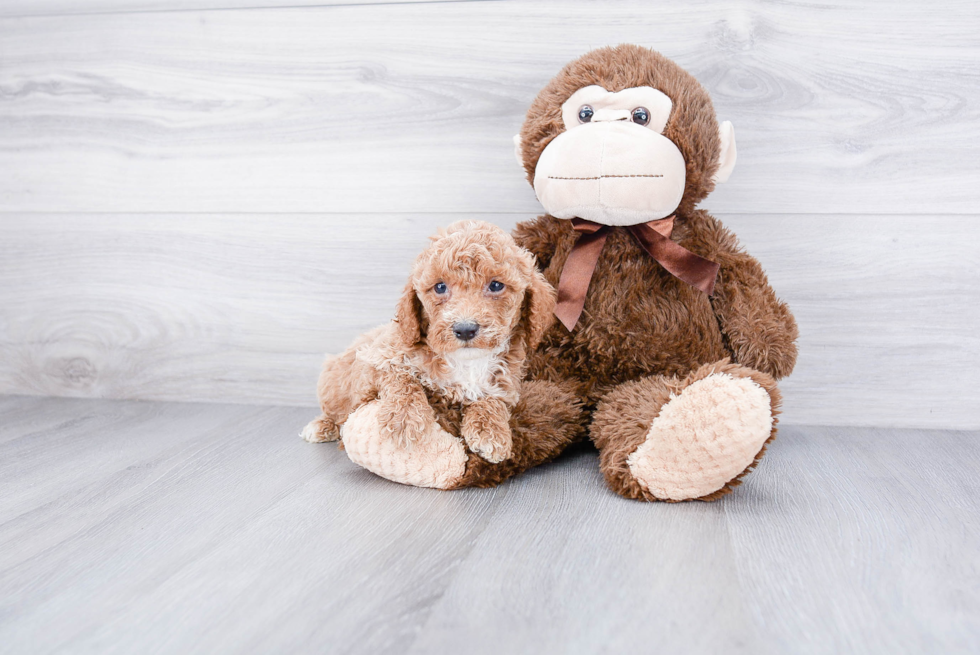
[[465, 330]]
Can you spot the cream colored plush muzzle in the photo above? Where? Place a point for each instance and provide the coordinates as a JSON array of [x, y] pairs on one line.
[[611, 172]]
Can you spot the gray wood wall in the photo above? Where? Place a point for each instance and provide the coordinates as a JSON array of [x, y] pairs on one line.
[[200, 197]]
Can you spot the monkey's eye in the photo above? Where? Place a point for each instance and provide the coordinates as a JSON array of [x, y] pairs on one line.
[[495, 286], [641, 116], [440, 288], [585, 114]]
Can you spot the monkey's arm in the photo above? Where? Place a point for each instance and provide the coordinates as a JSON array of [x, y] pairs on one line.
[[759, 329], [540, 235]]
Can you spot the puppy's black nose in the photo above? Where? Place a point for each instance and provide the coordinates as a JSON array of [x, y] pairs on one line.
[[465, 330]]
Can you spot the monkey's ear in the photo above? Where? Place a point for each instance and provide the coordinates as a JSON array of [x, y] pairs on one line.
[[410, 317], [517, 150], [726, 160]]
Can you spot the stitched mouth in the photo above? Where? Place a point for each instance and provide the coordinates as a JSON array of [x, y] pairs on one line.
[[597, 177]]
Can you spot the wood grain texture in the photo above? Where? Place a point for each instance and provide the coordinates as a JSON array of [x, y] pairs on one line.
[[839, 108], [214, 529], [33, 8], [241, 309], [310, 149]]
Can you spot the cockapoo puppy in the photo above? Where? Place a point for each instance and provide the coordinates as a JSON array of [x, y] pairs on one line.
[[475, 306]]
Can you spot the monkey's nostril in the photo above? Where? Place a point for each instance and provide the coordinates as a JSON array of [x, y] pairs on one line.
[[465, 330]]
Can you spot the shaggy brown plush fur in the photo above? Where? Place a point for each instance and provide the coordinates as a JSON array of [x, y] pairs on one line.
[[644, 334], [412, 366], [641, 320]]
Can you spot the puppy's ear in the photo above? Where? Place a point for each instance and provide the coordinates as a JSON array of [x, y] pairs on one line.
[[410, 317], [538, 312]]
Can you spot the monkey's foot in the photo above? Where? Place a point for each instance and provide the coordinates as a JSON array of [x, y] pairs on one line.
[[437, 459], [707, 436]]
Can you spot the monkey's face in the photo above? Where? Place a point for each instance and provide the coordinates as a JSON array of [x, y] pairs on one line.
[[615, 163], [612, 164]]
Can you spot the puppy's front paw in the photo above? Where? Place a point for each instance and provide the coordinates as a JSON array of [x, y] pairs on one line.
[[319, 430], [405, 422], [487, 434]]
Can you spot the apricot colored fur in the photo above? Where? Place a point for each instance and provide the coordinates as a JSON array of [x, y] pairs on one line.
[[408, 365]]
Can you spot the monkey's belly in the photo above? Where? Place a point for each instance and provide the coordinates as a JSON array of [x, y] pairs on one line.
[[604, 351], [638, 320], [662, 354]]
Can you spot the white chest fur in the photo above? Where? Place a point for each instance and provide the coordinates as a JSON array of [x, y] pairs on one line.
[[472, 372]]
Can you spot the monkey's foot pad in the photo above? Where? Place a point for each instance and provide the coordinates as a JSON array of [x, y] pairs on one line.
[[703, 438], [437, 459]]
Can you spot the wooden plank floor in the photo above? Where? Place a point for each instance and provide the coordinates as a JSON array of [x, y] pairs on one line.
[[154, 527]]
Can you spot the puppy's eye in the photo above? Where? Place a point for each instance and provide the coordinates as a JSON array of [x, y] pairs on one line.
[[641, 116], [585, 114], [440, 288], [495, 287]]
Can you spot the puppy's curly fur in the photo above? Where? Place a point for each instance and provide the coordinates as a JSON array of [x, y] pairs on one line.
[[472, 273]]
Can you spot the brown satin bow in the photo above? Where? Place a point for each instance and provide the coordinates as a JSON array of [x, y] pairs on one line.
[[654, 236]]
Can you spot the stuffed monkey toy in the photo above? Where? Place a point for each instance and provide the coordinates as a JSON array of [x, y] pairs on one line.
[[668, 331]]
